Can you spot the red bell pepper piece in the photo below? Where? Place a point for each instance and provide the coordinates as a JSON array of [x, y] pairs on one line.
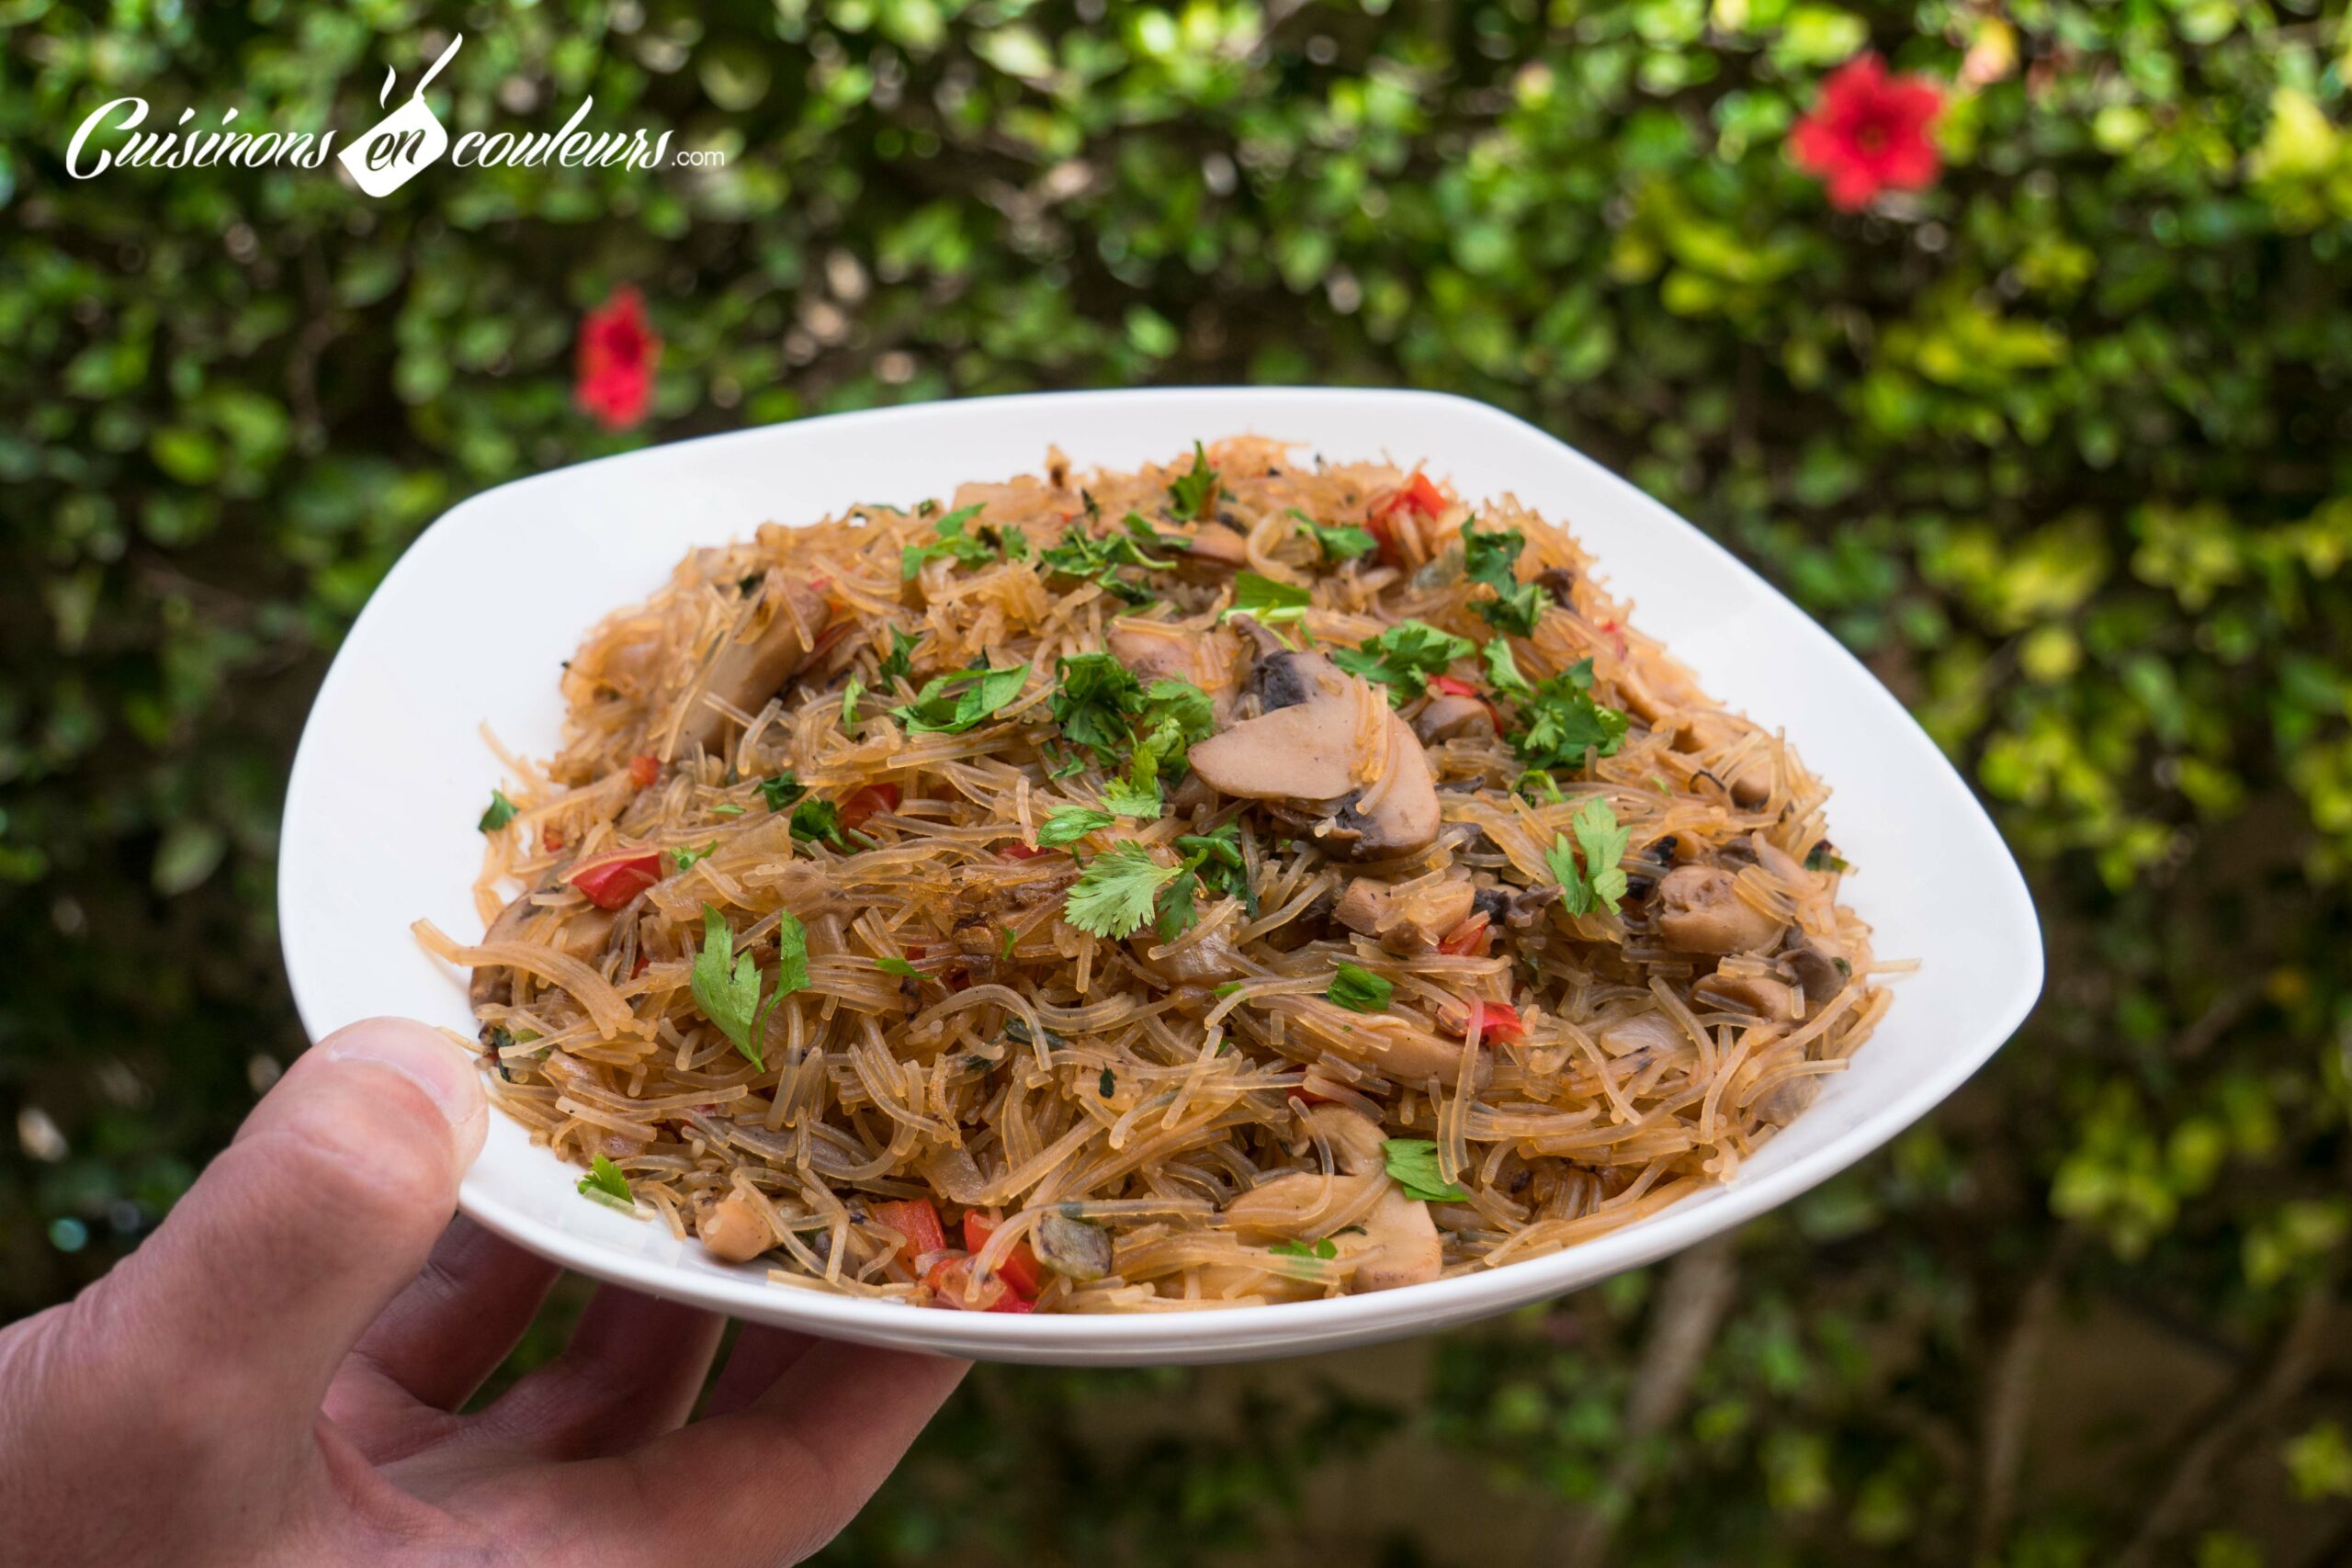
[[1470, 939], [916, 1219], [1020, 1268], [1023, 851], [866, 802], [643, 770], [1496, 1020], [615, 880]]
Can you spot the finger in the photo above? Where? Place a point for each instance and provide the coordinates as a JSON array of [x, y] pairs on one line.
[[450, 1328], [762, 1354], [324, 1205], [773, 1482], [631, 1370]]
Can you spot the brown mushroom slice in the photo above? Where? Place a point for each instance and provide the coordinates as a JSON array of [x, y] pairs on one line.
[[752, 664], [1451, 716], [1399, 1245], [1405, 918], [1788, 1100], [1816, 961], [581, 934], [1193, 973], [1210, 551], [1155, 651], [1751, 782], [1517, 908], [1698, 910], [1759, 996]]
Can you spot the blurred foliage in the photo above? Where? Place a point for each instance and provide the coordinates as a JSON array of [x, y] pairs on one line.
[[2063, 446]]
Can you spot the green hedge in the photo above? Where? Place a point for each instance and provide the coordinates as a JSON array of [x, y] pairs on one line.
[[2062, 445]]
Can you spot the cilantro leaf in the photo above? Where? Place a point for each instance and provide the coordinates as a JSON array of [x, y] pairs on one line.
[[1094, 700], [850, 694], [1069, 824], [1222, 868], [1185, 703], [950, 704], [1562, 722], [1339, 544], [605, 1183], [820, 821], [1359, 991], [952, 541], [502, 811], [1116, 894], [685, 857], [1193, 493], [792, 956], [1081, 555], [1598, 881], [1493, 559], [892, 963], [1404, 656], [726, 985], [1412, 1164], [1135, 795], [1267, 600], [1177, 909], [1324, 1249], [898, 664], [1502, 669], [780, 791]]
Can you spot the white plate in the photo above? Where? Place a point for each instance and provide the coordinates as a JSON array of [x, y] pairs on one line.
[[472, 624]]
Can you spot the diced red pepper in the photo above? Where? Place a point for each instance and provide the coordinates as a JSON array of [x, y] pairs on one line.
[[1022, 851], [615, 880], [643, 770], [916, 1219], [1415, 494], [866, 802], [1496, 1020], [1470, 939], [1020, 1268], [1011, 1303], [1422, 495], [551, 840]]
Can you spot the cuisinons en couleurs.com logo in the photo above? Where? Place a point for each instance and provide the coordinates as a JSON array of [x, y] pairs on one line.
[[404, 142]]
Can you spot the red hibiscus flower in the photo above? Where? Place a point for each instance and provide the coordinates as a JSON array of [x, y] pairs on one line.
[[1868, 133], [618, 349]]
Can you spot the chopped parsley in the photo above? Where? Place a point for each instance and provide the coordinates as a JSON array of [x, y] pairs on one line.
[[502, 811], [850, 694], [1268, 600], [1492, 558], [1193, 493], [1136, 796], [1412, 1162], [894, 965], [1822, 857], [727, 809], [1324, 1249], [685, 857], [1095, 700], [1562, 722], [1339, 544], [951, 542], [1598, 881], [1083, 555], [1359, 991], [819, 821], [950, 704], [1211, 861], [898, 664], [791, 956], [605, 1183], [1069, 824], [780, 791], [1502, 669], [1404, 656], [725, 982], [1115, 895]]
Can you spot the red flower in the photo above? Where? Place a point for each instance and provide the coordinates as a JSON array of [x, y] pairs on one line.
[[1868, 133], [618, 349]]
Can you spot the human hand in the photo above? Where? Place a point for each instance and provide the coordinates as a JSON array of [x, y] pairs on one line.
[[274, 1377]]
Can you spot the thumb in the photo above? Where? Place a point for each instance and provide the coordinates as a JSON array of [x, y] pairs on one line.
[[327, 1202]]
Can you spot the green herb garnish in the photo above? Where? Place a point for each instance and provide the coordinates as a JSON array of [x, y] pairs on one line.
[[950, 704], [1324, 1249], [1412, 1163], [1268, 600], [605, 1183], [1404, 656], [726, 984], [819, 821], [1069, 824], [1562, 722], [780, 791], [1598, 882], [1113, 896], [952, 542], [1193, 493], [502, 811], [1359, 991]]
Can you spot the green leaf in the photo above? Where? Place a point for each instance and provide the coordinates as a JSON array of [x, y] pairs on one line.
[[820, 821], [1324, 1249], [605, 1181], [1493, 559], [1266, 600], [1136, 796], [1193, 495], [891, 964], [1116, 894], [1562, 722], [1404, 656], [792, 956], [1502, 669], [1412, 1163], [1095, 700], [780, 791], [899, 665], [1598, 880], [685, 857], [502, 811], [1338, 543], [1070, 823], [952, 542], [726, 985], [1359, 991], [950, 704], [850, 694]]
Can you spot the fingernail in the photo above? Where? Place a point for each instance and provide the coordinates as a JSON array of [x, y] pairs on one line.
[[422, 1055]]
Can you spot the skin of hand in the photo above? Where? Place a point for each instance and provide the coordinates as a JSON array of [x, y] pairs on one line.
[[274, 1376]]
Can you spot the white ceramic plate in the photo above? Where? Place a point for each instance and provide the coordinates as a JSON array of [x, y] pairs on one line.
[[472, 624]]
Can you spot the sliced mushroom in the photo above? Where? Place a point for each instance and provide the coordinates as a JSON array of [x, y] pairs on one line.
[[1451, 716], [1816, 961], [1405, 919], [1193, 973], [734, 1229], [1788, 1100], [1698, 910], [1153, 651], [1636, 1032], [1358, 1143], [1077, 1249], [1337, 757], [1517, 908], [1217, 551], [1757, 995], [1751, 782], [581, 934], [752, 664], [1388, 1237], [1398, 1245]]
